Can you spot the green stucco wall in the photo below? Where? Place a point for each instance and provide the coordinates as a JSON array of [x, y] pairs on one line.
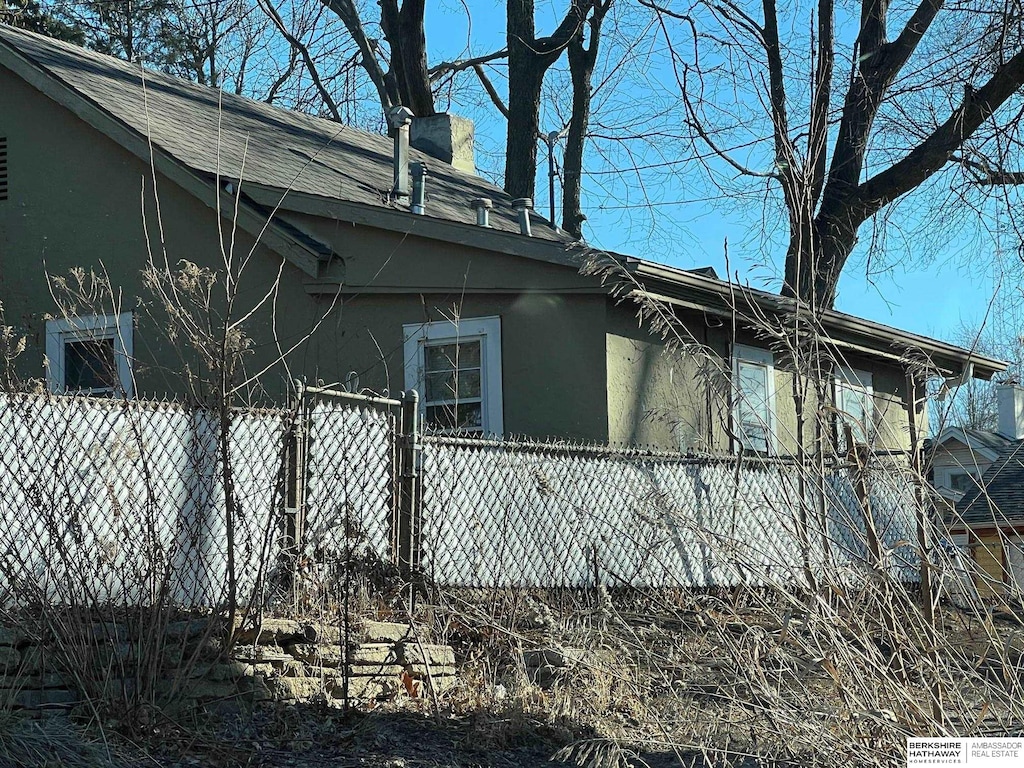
[[75, 201], [576, 364], [677, 396]]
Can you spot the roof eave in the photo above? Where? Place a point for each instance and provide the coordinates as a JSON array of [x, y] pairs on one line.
[[564, 253], [881, 338]]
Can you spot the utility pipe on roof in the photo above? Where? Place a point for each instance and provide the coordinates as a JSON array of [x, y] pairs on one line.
[[400, 118], [482, 206], [522, 206], [419, 188]]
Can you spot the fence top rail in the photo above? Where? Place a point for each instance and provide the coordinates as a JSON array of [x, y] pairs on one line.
[[104, 403], [526, 445], [374, 399]]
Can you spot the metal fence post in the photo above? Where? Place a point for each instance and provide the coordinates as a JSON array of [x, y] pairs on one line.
[[295, 488], [407, 528]]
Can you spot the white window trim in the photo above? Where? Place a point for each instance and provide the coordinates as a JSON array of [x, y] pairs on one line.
[[944, 476], [485, 329], [742, 352], [90, 327], [856, 379]]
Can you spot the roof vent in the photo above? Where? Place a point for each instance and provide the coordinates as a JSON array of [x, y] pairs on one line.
[[400, 118], [419, 189], [482, 206], [523, 206], [3, 167]]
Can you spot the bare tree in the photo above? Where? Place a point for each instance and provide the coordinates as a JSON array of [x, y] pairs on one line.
[[934, 104], [400, 74], [973, 404], [582, 60]]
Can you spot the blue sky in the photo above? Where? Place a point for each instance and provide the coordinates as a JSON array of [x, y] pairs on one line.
[[931, 293]]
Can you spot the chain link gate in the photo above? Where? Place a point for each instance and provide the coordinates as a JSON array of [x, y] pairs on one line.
[[353, 491]]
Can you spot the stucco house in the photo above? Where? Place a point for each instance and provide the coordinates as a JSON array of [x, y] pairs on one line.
[[385, 267]]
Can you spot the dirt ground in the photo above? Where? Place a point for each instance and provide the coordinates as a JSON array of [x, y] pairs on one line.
[[309, 738]]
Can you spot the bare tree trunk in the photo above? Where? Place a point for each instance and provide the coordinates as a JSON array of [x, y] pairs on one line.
[[581, 67], [403, 29], [528, 60]]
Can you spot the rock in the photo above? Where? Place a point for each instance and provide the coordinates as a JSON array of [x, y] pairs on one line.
[[376, 670], [186, 629], [45, 680], [297, 688], [381, 632], [254, 654], [374, 653], [276, 632], [416, 653], [366, 688], [317, 655], [553, 657], [32, 659], [34, 698], [293, 669], [109, 631], [420, 672]]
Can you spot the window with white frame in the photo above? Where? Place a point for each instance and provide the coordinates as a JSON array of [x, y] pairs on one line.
[[956, 478], [855, 402], [753, 397], [90, 354], [456, 368]]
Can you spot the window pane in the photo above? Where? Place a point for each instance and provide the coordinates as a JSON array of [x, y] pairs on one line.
[[442, 357], [445, 385], [90, 364], [463, 416], [962, 481], [752, 407], [857, 410]]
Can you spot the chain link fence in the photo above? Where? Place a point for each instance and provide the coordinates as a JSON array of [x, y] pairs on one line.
[[125, 502], [555, 516], [107, 501]]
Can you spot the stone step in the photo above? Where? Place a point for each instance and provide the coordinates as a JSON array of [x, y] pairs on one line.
[[370, 653]]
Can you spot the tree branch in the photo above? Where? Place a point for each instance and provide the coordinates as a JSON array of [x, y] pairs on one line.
[[485, 81], [935, 151], [349, 15], [446, 67], [817, 139], [307, 59], [785, 159]]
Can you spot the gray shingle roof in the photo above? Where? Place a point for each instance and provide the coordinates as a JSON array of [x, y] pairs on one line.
[[1000, 498], [211, 131], [975, 438], [987, 439]]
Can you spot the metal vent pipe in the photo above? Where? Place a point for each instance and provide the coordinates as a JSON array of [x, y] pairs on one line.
[[400, 118], [419, 188], [482, 206], [523, 206]]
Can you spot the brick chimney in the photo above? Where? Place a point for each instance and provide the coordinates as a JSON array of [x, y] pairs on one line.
[[447, 137], [1010, 402]]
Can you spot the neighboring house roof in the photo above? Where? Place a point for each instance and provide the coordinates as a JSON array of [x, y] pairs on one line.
[[1000, 497], [986, 443], [195, 134], [220, 134]]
